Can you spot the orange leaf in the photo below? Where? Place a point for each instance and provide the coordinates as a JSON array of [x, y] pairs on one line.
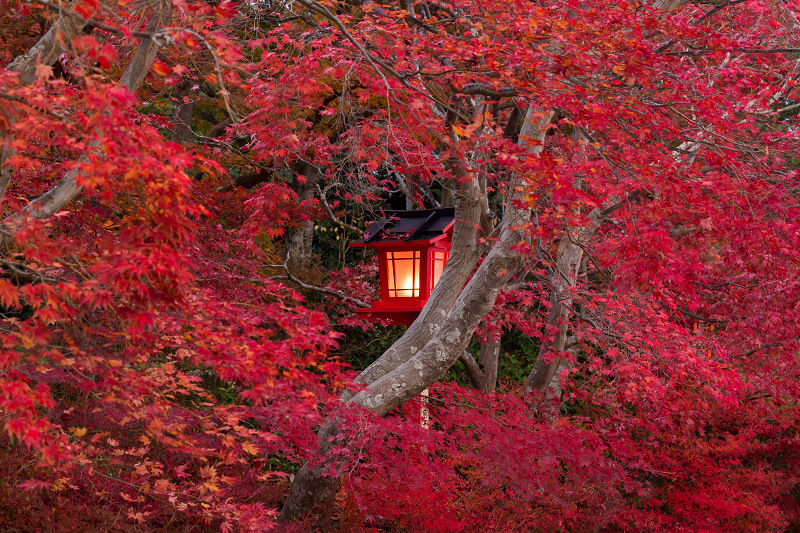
[[161, 68]]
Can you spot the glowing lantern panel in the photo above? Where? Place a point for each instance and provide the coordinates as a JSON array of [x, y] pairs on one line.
[[439, 259], [413, 247], [403, 274]]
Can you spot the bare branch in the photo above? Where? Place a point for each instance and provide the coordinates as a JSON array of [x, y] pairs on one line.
[[323, 198], [68, 189], [760, 347], [401, 183], [680, 232], [321, 290], [476, 376], [23, 274], [485, 90], [686, 312], [703, 51], [219, 128]]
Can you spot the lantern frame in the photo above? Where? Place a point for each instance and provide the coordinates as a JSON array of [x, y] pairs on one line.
[[425, 233]]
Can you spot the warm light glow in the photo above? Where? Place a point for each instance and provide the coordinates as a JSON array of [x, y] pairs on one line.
[[403, 274], [439, 259]]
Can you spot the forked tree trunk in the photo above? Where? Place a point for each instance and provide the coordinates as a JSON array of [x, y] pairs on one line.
[[68, 189], [441, 333], [312, 493], [483, 372]]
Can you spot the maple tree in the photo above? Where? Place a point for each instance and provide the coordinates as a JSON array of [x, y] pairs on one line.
[[625, 194]]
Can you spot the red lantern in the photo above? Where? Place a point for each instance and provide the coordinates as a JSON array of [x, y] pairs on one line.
[[412, 247]]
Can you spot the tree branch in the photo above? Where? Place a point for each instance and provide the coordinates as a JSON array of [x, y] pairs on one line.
[[68, 189], [324, 199], [760, 347], [686, 312], [50, 46], [22, 274], [476, 376], [219, 129], [485, 90], [322, 290], [703, 51]]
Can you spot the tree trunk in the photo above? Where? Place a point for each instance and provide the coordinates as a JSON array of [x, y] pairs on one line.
[[442, 331], [68, 189], [312, 494], [48, 49], [311, 491], [463, 258], [46, 52], [299, 239], [483, 373], [543, 375], [488, 359], [567, 264], [182, 111]]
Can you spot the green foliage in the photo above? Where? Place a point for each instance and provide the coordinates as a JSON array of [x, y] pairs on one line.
[[517, 354], [360, 348]]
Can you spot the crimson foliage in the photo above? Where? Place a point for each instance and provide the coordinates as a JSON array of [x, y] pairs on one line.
[[155, 372]]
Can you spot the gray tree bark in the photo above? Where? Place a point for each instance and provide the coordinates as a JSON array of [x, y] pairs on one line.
[[568, 261], [46, 51], [543, 375], [569, 258], [68, 189], [488, 360], [483, 372], [299, 239], [442, 331]]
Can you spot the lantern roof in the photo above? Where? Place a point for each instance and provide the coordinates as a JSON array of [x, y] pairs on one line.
[[418, 226]]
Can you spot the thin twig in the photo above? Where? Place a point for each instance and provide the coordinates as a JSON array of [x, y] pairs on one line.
[[161, 38], [315, 288], [324, 199]]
